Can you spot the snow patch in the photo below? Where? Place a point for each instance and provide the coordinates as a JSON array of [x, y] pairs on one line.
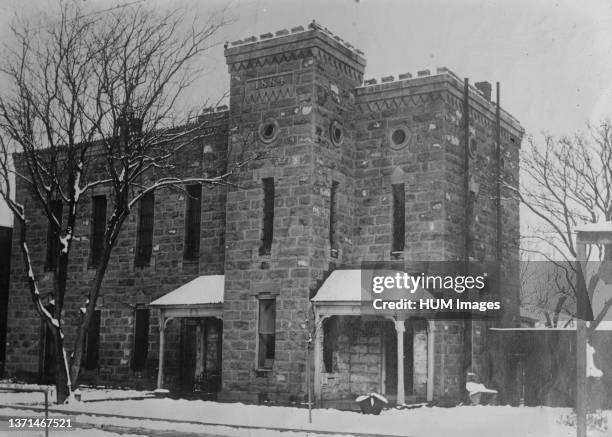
[[65, 240], [475, 387], [464, 421], [592, 370]]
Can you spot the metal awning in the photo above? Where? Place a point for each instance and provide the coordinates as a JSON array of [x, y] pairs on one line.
[[201, 297], [345, 292]]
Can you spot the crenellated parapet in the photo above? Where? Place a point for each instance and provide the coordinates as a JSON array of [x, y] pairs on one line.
[[300, 44], [408, 90]]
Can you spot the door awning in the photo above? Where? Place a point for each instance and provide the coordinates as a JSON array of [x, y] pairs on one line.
[[200, 297], [345, 292]]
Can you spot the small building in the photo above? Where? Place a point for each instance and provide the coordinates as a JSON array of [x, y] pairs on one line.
[[228, 284], [5, 269]]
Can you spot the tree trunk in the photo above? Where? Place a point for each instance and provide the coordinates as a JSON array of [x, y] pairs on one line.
[[62, 381], [110, 238]]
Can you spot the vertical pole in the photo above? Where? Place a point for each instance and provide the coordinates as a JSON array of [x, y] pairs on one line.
[[400, 328], [581, 348], [308, 384], [466, 170], [383, 362], [498, 240], [220, 347], [469, 208], [206, 322], [46, 413], [162, 344], [199, 351], [317, 357], [430, 359]]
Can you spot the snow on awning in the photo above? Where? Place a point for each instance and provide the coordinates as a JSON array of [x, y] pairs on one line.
[[340, 286], [347, 286], [203, 290]]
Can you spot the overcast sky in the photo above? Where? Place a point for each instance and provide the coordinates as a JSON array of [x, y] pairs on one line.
[[553, 58]]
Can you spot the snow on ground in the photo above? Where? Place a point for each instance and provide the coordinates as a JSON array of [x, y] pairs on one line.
[[425, 422], [502, 421], [153, 426], [87, 394]]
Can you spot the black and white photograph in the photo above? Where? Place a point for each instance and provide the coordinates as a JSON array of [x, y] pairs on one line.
[[306, 218]]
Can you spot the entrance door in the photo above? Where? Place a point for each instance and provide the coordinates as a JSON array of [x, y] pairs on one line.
[[188, 354], [213, 338], [201, 341]]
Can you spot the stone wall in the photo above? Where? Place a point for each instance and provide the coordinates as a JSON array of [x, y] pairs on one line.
[[356, 359], [284, 79], [124, 285], [5, 272], [431, 164], [417, 107]]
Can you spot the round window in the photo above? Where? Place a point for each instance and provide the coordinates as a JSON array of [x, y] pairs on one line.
[[336, 133], [268, 130], [399, 138]]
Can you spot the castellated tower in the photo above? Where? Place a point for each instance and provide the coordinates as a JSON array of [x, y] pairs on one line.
[[431, 142], [291, 95], [402, 170]]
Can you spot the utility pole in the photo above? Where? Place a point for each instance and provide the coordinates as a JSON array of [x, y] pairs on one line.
[[581, 343], [591, 234]]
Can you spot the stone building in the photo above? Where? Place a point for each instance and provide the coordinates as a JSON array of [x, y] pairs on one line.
[[235, 280]]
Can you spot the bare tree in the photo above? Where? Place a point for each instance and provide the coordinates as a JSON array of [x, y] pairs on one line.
[[548, 289], [568, 182], [90, 105]]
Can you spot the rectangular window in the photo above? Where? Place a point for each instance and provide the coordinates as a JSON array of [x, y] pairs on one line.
[[144, 239], [98, 228], [141, 339], [53, 236], [333, 214], [193, 221], [91, 346], [399, 217], [266, 333], [268, 216]]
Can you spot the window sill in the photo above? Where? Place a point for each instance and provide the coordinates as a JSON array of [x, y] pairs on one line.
[[262, 373]]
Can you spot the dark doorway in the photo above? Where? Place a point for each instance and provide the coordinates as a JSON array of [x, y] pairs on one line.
[[188, 354], [200, 368]]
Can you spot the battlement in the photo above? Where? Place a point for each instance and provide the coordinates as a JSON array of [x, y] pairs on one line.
[[294, 30], [313, 42], [372, 90], [387, 82], [213, 114]]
